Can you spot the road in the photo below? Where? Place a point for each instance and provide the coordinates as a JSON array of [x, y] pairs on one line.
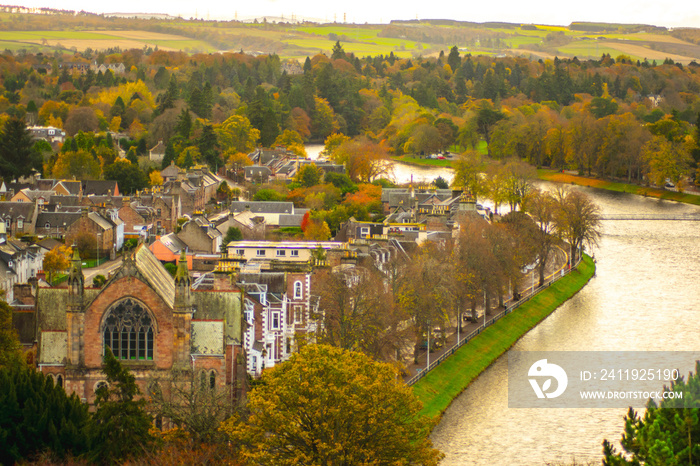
[[104, 269]]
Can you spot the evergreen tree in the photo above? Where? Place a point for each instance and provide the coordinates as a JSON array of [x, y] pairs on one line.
[[36, 416], [169, 155], [119, 428], [207, 147], [667, 434], [16, 155]]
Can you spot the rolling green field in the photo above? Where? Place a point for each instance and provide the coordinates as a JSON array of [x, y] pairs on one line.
[[298, 41]]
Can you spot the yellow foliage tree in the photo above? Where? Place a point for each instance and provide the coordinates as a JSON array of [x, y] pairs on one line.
[[327, 406], [155, 178], [56, 260]]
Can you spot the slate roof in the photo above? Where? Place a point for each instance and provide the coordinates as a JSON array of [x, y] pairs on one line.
[[172, 242], [263, 207], [99, 187], [16, 209], [291, 220], [57, 219], [71, 186]]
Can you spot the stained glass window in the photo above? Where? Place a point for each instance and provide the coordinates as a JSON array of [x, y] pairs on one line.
[[128, 331]]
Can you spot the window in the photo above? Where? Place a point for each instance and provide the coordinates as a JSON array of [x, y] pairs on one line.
[[212, 380], [59, 381], [364, 231], [297, 314], [8, 223], [47, 225], [159, 212], [297, 290], [20, 223], [275, 322], [128, 331], [294, 253], [240, 252], [281, 253], [260, 253]]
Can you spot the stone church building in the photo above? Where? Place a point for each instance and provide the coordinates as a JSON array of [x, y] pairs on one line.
[[152, 322]]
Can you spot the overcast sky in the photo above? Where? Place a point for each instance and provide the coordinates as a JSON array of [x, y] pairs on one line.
[[556, 12]]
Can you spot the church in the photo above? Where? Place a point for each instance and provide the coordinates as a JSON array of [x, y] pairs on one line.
[[152, 322]]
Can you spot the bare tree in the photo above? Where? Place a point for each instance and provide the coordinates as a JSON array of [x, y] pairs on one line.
[[192, 400], [542, 206], [577, 219]]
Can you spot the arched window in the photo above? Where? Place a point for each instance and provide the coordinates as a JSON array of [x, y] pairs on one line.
[[128, 331], [212, 380], [59, 381], [297, 290]]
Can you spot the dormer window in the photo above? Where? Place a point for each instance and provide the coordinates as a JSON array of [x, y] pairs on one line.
[[20, 223]]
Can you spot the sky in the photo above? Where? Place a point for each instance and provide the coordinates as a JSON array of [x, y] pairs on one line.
[[552, 12]]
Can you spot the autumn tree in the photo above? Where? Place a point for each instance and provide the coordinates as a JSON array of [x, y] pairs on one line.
[[665, 160], [189, 400], [358, 312], [56, 260], [292, 141], [425, 294], [364, 160], [577, 220], [236, 134], [327, 405], [309, 175], [542, 206], [468, 168], [80, 164]]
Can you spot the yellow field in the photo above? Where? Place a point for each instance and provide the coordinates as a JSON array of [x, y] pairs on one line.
[[142, 35]]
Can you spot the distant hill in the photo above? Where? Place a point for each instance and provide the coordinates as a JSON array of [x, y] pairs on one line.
[[46, 29]]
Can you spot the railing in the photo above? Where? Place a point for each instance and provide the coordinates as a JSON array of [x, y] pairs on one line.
[[491, 320]]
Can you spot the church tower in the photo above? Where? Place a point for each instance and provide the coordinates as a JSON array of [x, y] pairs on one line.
[[75, 314], [182, 313]]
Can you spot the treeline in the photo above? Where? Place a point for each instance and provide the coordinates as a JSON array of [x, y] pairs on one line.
[[409, 106]]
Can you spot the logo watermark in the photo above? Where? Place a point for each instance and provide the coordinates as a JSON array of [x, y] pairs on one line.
[[542, 368], [596, 379]]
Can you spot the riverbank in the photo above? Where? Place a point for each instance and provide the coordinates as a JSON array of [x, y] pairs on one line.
[[444, 383], [559, 177]]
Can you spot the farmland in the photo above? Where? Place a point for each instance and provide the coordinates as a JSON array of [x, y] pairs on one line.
[[297, 41]]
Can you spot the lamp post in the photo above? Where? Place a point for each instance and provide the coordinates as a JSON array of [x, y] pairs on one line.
[[97, 249], [427, 366]]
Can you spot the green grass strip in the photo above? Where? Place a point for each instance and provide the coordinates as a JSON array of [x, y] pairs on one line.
[[444, 383]]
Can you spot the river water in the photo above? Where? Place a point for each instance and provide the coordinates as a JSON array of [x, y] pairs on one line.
[[644, 297]]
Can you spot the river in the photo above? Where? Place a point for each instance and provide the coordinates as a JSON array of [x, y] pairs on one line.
[[644, 297]]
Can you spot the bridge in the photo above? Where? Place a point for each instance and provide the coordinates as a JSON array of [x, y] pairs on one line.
[[679, 217]]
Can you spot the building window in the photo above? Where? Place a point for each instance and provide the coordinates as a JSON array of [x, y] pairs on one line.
[[20, 223], [240, 252], [275, 323], [281, 253], [59, 381], [8, 223], [260, 253], [128, 331], [47, 225], [297, 290], [364, 231], [294, 253], [297, 314], [212, 380]]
